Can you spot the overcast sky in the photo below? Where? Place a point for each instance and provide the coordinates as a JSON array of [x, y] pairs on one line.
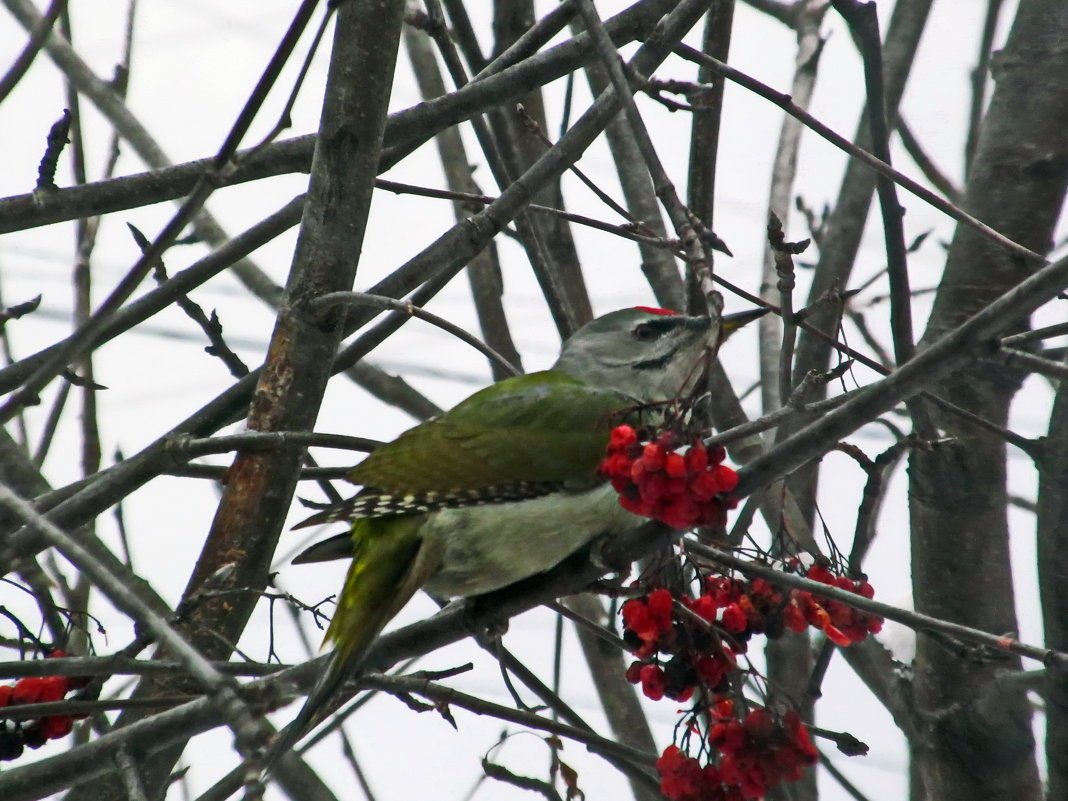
[[194, 62]]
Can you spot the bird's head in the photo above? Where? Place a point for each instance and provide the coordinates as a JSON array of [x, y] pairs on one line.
[[643, 352]]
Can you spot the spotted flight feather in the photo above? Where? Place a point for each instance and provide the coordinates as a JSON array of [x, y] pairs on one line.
[[372, 502]]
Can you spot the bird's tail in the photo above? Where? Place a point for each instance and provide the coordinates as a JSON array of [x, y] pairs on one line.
[[389, 564]]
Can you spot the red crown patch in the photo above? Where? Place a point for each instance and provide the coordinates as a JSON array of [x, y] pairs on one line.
[[656, 310]]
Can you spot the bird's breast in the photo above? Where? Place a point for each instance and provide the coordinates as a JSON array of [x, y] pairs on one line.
[[484, 548]]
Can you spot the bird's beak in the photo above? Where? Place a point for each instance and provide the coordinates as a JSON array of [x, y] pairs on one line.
[[732, 322]]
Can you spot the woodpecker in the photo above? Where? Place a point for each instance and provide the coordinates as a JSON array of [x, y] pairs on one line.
[[505, 484]]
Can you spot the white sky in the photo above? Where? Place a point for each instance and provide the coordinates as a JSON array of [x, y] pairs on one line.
[[194, 63]]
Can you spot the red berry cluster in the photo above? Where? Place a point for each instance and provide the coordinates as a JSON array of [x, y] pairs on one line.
[[36, 690], [745, 608], [683, 778], [654, 480], [761, 751], [752, 755], [842, 624], [695, 655], [742, 608], [679, 658], [703, 655]]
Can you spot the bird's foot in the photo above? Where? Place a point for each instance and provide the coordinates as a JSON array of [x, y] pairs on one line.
[[604, 557], [484, 628], [612, 586]]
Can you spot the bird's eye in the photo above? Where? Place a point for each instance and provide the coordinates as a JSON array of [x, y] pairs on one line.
[[646, 332]]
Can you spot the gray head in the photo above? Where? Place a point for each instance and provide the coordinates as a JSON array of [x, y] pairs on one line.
[[647, 354]]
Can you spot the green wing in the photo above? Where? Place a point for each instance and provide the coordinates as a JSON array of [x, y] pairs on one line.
[[542, 427]]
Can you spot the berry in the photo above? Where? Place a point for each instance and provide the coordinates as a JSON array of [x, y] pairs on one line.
[[36, 690], [654, 480]]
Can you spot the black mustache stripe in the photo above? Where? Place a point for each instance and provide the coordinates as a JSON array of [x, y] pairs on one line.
[[658, 363]]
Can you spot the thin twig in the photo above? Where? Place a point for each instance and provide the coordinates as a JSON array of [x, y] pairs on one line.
[[863, 22], [447, 695], [874, 492], [323, 304], [806, 22], [434, 266], [955, 348], [914, 620], [531, 235], [1033, 364], [405, 131], [979, 81], [163, 296], [33, 46], [635, 230], [249, 732], [784, 102], [681, 219], [78, 344], [211, 326], [1046, 332], [939, 180], [484, 272], [782, 255]]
